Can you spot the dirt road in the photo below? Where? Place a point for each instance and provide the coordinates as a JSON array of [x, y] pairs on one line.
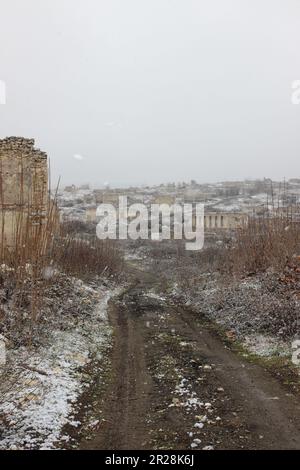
[[175, 384]]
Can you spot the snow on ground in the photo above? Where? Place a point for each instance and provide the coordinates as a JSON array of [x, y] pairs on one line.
[[234, 207], [187, 399], [266, 346], [256, 311], [42, 401], [153, 295], [136, 256]]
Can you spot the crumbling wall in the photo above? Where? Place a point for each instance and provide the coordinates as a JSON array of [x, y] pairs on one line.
[[225, 220], [23, 188]]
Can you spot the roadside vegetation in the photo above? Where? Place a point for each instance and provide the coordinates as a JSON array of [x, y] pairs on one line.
[[266, 243], [55, 283], [247, 281], [40, 256]]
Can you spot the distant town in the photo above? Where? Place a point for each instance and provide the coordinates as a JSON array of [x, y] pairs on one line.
[[227, 204]]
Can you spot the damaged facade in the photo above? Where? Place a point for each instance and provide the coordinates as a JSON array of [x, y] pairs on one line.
[[225, 220], [23, 189]]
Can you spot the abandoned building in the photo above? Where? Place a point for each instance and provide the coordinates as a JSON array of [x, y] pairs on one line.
[[213, 221], [225, 220], [23, 188]]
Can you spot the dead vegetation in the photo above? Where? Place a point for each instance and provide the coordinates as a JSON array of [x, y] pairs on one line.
[[39, 256], [257, 289], [50, 282], [78, 252], [266, 243], [248, 281]]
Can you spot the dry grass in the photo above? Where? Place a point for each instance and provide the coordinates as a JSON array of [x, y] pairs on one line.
[[38, 250], [85, 258], [265, 243]]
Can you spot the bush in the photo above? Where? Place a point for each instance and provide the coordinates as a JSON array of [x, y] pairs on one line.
[[84, 258], [265, 243]]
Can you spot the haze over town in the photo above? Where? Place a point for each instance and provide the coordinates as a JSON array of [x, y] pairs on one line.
[[141, 92]]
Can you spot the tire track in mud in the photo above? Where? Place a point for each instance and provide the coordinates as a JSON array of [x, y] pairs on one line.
[[130, 383], [158, 347]]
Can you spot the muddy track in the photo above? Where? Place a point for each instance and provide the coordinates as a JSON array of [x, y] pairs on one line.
[[158, 347], [128, 397]]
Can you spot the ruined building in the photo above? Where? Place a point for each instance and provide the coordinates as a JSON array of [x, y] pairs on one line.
[[225, 220], [23, 189]]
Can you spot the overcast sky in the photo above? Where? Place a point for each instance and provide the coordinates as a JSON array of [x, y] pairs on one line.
[[149, 91]]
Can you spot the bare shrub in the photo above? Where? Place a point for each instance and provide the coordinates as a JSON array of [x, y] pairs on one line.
[[37, 250], [83, 258], [76, 227], [265, 243], [24, 258]]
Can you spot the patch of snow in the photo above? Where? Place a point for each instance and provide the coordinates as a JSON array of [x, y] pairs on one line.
[[265, 346], [153, 295], [187, 399], [50, 382]]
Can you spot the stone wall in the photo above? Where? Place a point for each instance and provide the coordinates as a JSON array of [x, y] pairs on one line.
[[224, 220], [23, 187]]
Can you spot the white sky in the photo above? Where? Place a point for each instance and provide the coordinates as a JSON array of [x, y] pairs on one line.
[[149, 91]]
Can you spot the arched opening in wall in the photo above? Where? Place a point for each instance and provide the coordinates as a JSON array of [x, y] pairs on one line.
[[222, 221]]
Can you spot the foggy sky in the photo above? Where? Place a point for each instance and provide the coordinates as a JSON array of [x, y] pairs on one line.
[[150, 91]]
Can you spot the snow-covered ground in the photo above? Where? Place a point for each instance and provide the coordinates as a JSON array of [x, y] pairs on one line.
[[35, 406], [256, 311]]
